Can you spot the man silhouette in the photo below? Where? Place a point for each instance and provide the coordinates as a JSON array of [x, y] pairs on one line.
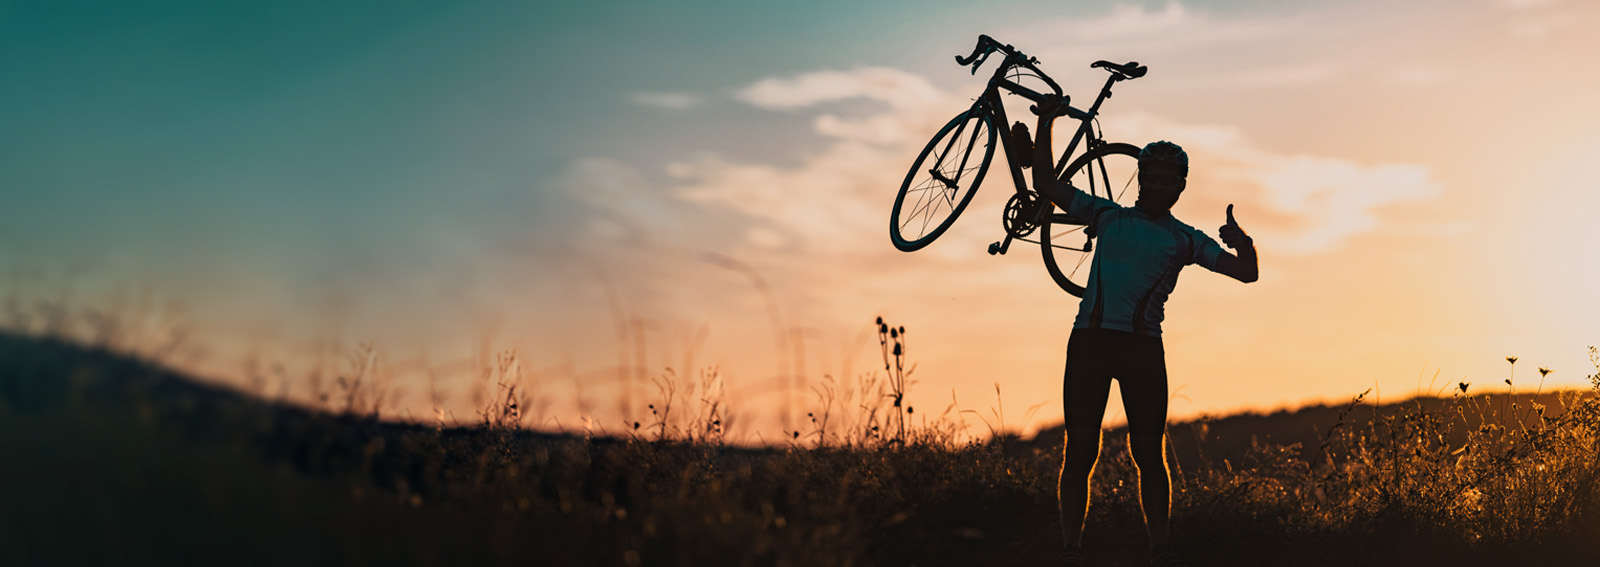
[[1117, 333]]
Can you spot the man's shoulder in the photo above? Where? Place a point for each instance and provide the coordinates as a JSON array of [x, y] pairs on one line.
[[1180, 225], [1186, 228]]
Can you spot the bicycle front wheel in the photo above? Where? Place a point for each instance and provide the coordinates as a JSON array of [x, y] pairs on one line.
[[1110, 171], [942, 180]]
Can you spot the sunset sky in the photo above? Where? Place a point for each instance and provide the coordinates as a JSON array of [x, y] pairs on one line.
[[687, 184]]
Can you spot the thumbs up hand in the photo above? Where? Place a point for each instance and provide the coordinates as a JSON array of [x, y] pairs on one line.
[[1232, 235]]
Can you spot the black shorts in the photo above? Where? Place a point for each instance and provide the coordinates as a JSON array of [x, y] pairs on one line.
[[1138, 362]]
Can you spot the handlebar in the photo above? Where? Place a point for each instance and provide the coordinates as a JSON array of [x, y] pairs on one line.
[[985, 45], [1014, 58]]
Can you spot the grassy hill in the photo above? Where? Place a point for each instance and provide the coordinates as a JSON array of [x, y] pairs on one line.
[[109, 460]]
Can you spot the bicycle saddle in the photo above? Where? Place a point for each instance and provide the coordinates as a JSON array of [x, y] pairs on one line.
[[1131, 69]]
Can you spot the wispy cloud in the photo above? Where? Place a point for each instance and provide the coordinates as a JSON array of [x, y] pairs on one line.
[[1137, 29], [911, 100], [1525, 4], [1538, 28], [896, 87], [1202, 49], [1284, 76], [622, 203], [666, 100], [1320, 201]]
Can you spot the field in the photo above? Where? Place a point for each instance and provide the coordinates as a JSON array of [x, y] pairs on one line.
[[111, 460]]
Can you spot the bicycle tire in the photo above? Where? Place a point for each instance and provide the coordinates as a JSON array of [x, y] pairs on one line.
[[952, 159], [1109, 172]]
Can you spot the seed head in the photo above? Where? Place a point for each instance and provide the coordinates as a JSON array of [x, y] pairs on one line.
[[1511, 359], [1543, 371], [1463, 387], [880, 321], [894, 333]]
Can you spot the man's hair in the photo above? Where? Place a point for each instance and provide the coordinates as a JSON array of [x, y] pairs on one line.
[[1165, 152]]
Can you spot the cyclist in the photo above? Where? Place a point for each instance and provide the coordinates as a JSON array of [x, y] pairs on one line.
[[1117, 333]]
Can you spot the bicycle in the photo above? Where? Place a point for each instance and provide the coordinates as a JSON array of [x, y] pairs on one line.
[[1103, 168]]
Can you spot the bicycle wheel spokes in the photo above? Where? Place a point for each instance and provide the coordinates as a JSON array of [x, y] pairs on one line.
[[938, 194], [942, 181]]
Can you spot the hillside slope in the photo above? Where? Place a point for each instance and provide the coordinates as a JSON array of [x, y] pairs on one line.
[[109, 460]]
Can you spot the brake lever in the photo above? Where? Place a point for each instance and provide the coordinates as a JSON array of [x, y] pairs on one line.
[[981, 59]]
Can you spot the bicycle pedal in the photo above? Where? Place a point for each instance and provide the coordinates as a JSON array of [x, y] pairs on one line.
[[994, 248]]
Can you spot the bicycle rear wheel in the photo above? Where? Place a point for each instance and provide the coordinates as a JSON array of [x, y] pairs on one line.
[[942, 180], [1110, 171]]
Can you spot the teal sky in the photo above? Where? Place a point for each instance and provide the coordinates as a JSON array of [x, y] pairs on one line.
[[424, 172], [296, 137]]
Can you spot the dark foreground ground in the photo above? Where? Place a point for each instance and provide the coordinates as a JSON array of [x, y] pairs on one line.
[[109, 461]]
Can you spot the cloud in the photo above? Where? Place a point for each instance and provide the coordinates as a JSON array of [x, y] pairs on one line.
[[836, 199], [1338, 198], [1128, 21], [831, 202], [1416, 75], [896, 87], [1289, 75], [1524, 4], [1191, 46], [666, 100], [1538, 28], [623, 204], [1136, 29], [1321, 200]]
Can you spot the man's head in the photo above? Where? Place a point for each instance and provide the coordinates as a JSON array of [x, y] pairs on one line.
[[1163, 173]]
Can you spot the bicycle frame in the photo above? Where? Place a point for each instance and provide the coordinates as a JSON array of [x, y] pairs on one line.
[[991, 103], [942, 184]]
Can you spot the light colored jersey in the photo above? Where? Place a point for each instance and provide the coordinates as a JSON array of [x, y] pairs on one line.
[[1136, 263]]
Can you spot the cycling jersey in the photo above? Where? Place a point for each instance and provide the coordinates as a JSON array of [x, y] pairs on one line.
[[1136, 263]]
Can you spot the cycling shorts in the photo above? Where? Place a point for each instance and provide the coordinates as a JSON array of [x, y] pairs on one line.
[[1137, 362]]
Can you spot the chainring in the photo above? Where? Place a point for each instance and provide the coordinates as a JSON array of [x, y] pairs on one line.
[[1019, 214]]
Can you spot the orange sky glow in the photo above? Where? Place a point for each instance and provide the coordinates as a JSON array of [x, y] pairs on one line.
[[1417, 180]]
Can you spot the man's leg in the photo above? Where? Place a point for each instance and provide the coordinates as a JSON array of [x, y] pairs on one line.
[[1155, 488], [1084, 388], [1083, 448], [1144, 397]]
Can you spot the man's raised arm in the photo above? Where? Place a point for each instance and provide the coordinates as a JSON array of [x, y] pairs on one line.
[[1044, 167]]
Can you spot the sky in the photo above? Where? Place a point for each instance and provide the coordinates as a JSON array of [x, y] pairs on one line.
[[615, 189]]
